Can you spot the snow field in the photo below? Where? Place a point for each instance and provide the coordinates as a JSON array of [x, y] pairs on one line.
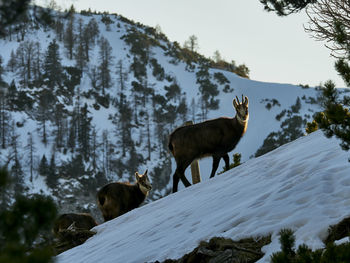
[[303, 185]]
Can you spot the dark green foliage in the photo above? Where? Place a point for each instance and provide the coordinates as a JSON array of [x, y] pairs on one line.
[[52, 66], [331, 254], [242, 70], [84, 132], [291, 128], [106, 20], [18, 100], [221, 78], [335, 119], [297, 106], [281, 115], [11, 12], [285, 7], [270, 103], [71, 80], [207, 89], [158, 70], [22, 225], [74, 168]]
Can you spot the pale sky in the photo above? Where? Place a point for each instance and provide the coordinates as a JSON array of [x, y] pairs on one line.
[[275, 49]]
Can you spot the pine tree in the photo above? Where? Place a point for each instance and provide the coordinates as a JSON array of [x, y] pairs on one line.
[[30, 149], [51, 177], [16, 169], [22, 224], [84, 132], [285, 7], [80, 55], [12, 62], [43, 167], [105, 62], [44, 111], [4, 119], [69, 38], [122, 78], [52, 66], [1, 72], [208, 90]]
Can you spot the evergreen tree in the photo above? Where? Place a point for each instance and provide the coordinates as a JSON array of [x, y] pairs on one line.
[[44, 111], [90, 33], [30, 149], [52, 66], [69, 37], [11, 11], [122, 78], [105, 62], [84, 132], [16, 169], [51, 178], [60, 124], [21, 226], [4, 119], [12, 63], [208, 90], [285, 7], [80, 55], [1, 72], [43, 167]]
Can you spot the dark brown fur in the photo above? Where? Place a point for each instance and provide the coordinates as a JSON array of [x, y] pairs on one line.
[[118, 198], [213, 138], [81, 221]]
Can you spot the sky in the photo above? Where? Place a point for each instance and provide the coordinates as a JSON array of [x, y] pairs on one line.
[[275, 49]]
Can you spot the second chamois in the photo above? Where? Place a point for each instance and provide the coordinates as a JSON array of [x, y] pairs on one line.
[[118, 198]]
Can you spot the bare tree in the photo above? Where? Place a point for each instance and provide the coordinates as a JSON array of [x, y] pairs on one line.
[[192, 43], [326, 16]]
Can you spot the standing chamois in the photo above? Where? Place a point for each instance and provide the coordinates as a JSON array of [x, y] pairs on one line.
[[213, 138], [72, 220], [118, 198]]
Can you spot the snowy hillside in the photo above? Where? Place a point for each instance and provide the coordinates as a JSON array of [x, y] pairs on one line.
[[80, 109], [303, 185]]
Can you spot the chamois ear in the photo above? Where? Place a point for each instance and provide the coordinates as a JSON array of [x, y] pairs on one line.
[[146, 172], [246, 102], [235, 103], [137, 175]]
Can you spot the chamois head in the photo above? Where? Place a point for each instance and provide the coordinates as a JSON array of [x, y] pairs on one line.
[[241, 109], [143, 182]]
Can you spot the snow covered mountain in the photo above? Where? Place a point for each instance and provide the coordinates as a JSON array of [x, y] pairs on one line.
[[303, 185], [91, 98]]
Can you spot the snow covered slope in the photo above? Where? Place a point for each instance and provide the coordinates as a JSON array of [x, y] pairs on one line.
[[303, 185]]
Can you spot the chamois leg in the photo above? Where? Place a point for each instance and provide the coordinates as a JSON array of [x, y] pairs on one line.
[[179, 174], [216, 160], [227, 161]]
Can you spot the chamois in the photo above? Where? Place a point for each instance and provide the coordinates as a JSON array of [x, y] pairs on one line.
[[118, 198], [214, 138], [78, 221]]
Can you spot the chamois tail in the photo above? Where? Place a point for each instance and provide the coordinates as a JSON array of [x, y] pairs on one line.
[[170, 146], [101, 200]]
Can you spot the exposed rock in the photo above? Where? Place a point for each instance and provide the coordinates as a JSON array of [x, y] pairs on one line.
[[70, 238], [338, 231], [222, 250]]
